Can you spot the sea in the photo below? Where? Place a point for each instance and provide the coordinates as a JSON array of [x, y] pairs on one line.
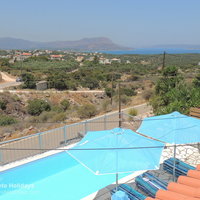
[[149, 51]]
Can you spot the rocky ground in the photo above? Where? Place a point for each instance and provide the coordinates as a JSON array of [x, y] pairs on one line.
[[17, 104]]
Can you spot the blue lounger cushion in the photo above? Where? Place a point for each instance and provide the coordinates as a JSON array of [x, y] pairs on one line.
[[181, 168], [132, 194], [150, 184]]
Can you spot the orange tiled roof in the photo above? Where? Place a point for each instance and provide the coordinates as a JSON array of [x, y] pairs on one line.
[[186, 188], [26, 54], [56, 56]]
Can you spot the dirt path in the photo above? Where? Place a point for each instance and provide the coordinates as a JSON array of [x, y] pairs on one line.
[[7, 78]]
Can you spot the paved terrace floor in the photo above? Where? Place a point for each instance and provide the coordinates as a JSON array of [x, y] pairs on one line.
[[104, 194]]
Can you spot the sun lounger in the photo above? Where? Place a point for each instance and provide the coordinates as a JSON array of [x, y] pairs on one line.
[[132, 194], [150, 184], [181, 168]]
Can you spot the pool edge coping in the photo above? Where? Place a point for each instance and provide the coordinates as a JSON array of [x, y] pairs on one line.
[[34, 158]]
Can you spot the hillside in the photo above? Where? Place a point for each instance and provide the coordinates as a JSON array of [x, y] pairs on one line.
[[85, 44]]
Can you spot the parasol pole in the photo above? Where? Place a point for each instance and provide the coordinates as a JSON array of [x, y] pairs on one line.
[[117, 163], [117, 182], [174, 164], [120, 114]]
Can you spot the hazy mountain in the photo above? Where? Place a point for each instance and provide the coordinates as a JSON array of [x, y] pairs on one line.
[[100, 43]]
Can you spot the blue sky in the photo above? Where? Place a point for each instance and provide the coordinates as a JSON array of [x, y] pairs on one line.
[[132, 23]]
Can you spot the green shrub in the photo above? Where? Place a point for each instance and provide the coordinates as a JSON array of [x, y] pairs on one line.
[[37, 106], [128, 91], [133, 77], [65, 104], [59, 117], [147, 94], [7, 120], [3, 104], [106, 105], [132, 112], [125, 99], [196, 81], [46, 116], [90, 82], [57, 108], [29, 81], [60, 85], [109, 92], [87, 111]]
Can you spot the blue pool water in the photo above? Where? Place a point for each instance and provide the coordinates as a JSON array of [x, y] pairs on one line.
[[52, 178]]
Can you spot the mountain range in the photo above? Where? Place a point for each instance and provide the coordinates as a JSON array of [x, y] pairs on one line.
[[85, 44]]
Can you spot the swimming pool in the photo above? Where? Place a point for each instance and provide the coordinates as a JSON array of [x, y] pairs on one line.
[[55, 177]]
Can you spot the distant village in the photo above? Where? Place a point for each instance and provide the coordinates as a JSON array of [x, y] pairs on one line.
[[19, 55]]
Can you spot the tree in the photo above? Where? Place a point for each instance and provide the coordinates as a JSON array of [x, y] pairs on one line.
[[196, 81], [109, 92], [96, 60], [4, 62], [128, 91], [170, 78], [29, 81], [90, 82], [37, 106], [172, 93], [60, 84]]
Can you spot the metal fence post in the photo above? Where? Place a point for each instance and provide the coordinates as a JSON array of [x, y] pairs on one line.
[[1, 158], [122, 117], [86, 128], [40, 141], [65, 135], [105, 125]]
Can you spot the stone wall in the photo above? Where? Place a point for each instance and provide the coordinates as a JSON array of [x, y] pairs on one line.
[[189, 154]]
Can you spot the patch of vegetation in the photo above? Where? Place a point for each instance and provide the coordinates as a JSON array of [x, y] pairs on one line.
[[29, 81], [172, 93], [196, 81], [128, 91], [7, 120], [3, 104], [109, 92], [37, 106], [132, 112], [147, 94], [65, 104], [87, 111]]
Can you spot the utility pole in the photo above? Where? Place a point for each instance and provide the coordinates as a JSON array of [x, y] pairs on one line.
[[111, 99], [163, 65], [21, 68], [120, 114]]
